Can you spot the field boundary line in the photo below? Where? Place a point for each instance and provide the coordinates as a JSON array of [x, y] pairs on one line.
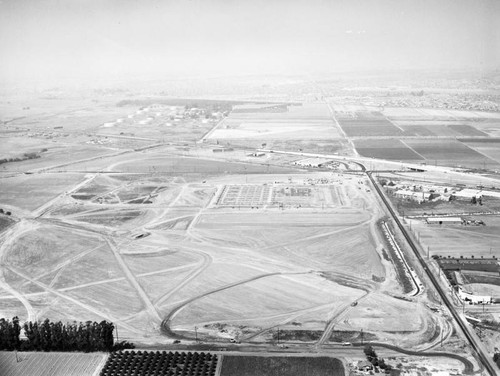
[[409, 147], [209, 133], [218, 369]]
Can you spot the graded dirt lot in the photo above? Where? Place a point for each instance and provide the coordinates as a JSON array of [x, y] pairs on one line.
[[176, 241], [169, 242]]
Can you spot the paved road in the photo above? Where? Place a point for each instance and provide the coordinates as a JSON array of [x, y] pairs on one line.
[[482, 355]]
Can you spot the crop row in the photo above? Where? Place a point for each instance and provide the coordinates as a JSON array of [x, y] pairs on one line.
[[160, 363]]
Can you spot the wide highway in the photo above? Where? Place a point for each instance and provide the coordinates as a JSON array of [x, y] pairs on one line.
[[484, 358]]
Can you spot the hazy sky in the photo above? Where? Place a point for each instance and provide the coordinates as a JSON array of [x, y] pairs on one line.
[[90, 39]]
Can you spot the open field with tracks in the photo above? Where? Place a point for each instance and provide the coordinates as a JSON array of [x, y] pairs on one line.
[[171, 240], [170, 243]]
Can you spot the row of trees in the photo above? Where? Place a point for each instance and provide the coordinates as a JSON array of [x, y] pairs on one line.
[[372, 357], [56, 336], [496, 359]]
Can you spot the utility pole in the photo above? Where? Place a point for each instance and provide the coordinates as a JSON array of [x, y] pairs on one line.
[[278, 335], [196, 333]]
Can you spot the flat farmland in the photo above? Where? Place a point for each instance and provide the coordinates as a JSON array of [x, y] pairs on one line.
[[235, 365], [447, 152], [309, 121], [487, 147], [50, 364], [269, 130], [393, 149], [312, 111], [436, 114], [367, 124], [489, 126], [426, 128], [458, 240], [28, 192]]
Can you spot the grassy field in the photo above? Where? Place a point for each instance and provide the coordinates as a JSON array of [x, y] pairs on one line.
[[456, 241], [281, 366], [31, 191], [367, 124], [392, 149], [490, 149], [50, 364]]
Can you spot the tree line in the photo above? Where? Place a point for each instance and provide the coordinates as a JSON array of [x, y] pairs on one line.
[[56, 336], [373, 358], [496, 358]]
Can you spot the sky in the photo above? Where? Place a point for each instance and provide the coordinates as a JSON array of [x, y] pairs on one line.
[[93, 39]]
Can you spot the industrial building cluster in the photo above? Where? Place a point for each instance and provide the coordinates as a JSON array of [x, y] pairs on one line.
[[423, 193]]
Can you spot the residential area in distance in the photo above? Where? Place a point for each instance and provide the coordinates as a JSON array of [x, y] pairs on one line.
[[266, 226]]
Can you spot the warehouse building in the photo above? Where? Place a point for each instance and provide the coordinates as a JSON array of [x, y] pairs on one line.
[[412, 195], [445, 220]]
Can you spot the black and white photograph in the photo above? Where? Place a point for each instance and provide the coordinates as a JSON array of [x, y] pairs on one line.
[[249, 188]]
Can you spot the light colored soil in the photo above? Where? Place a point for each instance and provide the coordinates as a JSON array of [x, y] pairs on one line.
[[50, 364]]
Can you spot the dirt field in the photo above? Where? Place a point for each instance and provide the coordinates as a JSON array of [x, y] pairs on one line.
[[161, 243], [309, 121], [175, 240], [53, 364]]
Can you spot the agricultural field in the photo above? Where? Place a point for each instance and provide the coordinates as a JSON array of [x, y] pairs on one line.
[[488, 147], [28, 192], [50, 364], [442, 152], [427, 128], [446, 151], [235, 365], [308, 121], [459, 240], [425, 122], [393, 149], [437, 114], [161, 363], [367, 124]]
